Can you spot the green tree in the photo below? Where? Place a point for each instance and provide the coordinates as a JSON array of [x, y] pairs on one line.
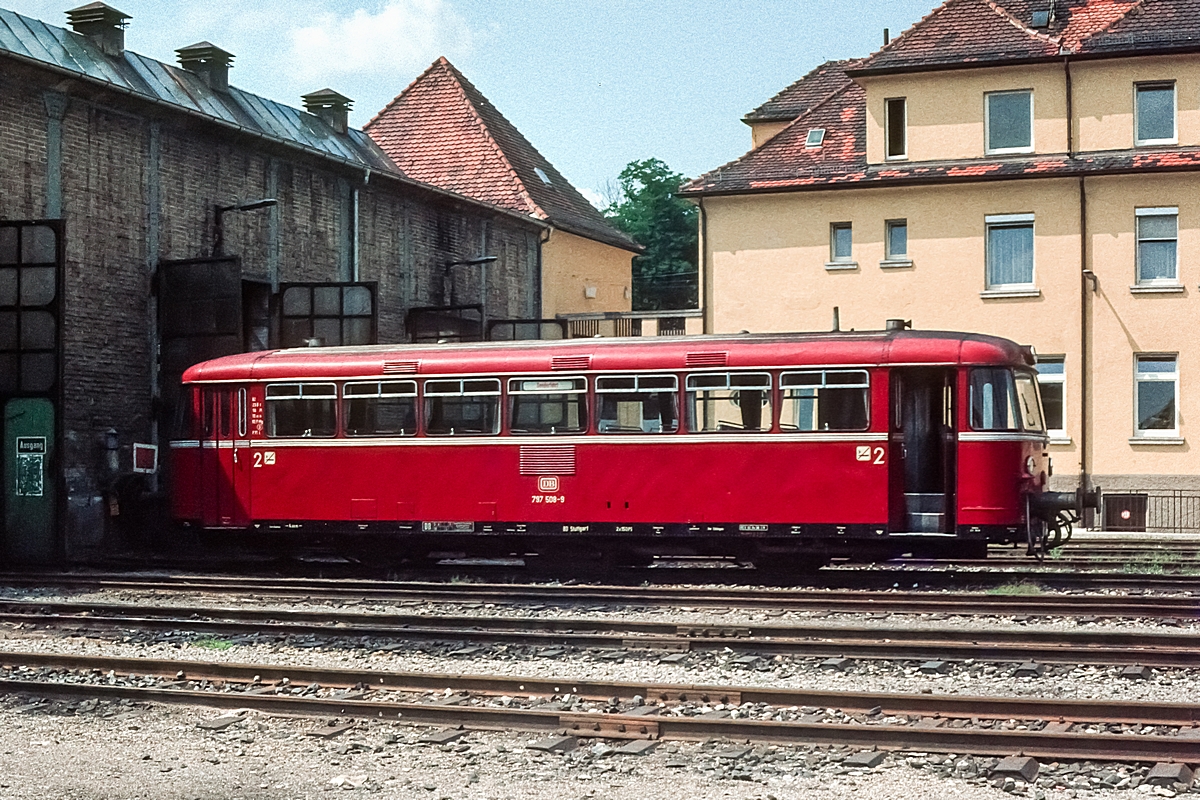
[[649, 209]]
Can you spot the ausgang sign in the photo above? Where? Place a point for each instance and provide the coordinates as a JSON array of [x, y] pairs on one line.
[[31, 457]]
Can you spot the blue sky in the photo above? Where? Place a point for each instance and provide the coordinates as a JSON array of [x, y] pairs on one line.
[[594, 84]]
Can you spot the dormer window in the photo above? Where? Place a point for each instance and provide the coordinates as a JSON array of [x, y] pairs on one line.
[[815, 137]]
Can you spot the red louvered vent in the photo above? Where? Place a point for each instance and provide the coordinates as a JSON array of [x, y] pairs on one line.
[[400, 367], [570, 362], [705, 359], [548, 459]]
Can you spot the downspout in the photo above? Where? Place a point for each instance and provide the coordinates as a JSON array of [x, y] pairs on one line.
[[1086, 281], [538, 311], [702, 291]]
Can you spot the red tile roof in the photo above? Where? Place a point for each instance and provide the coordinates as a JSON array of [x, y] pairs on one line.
[[784, 163], [805, 93], [442, 130], [957, 33], [968, 32]]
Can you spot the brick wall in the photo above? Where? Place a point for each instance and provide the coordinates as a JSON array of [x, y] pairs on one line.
[[110, 145]]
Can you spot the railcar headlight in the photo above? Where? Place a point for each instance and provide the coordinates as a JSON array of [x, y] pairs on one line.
[[1029, 464]]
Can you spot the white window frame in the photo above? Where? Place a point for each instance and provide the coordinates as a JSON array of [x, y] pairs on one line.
[[888, 256], [987, 123], [1174, 113], [1005, 221], [1155, 377], [1166, 211], [835, 261], [1057, 435], [814, 139], [887, 129]]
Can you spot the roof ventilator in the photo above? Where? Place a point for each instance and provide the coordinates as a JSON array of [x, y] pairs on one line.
[[103, 24], [208, 61], [897, 324], [401, 367], [571, 362], [330, 106]]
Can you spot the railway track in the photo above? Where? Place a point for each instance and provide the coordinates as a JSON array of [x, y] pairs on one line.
[[871, 642], [1057, 729], [1015, 597]]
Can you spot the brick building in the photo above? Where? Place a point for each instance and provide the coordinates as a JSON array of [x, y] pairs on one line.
[[152, 215]]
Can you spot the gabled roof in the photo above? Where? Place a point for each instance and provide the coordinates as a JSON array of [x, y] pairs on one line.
[[443, 131], [32, 40], [785, 163], [805, 93], [976, 32]]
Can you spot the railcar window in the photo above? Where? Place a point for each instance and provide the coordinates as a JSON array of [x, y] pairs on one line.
[[638, 404], [241, 413], [185, 415], [462, 407], [556, 405], [729, 401], [301, 410], [994, 400], [387, 408], [830, 400], [1031, 406]]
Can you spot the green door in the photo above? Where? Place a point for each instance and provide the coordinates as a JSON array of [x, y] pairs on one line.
[[29, 490]]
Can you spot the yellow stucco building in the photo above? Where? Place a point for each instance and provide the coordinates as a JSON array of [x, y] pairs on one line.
[[1021, 169]]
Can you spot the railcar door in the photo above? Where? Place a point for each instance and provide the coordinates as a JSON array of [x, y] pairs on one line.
[[924, 450], [225, 490]]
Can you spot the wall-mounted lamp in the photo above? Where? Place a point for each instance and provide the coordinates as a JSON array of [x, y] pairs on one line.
[[219, 219]]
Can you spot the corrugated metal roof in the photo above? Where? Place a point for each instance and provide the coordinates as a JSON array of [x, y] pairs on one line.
[[57, 47]]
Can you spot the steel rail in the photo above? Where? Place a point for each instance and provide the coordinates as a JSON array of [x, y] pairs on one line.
[[1052, 744], [1070, 647], [1062, 605]]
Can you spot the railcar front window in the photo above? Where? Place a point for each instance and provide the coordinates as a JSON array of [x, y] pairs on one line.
[[380, 408], [994, 400], [301, 410], [462, 407], [638, 404], [729, 402], [832, 400], [547, 406], [1031, 406]]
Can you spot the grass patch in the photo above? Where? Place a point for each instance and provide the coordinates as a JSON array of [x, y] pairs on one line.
[[1015, 589], [213, 643]]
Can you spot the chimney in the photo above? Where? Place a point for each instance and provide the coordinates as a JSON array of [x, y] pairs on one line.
[[208, 61], [331, 107], [104, 25]]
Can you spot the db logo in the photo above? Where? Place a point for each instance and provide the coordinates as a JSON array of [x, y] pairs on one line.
[[548, 483]]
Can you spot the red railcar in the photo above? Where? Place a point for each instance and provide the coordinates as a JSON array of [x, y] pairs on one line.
[[757, 446]]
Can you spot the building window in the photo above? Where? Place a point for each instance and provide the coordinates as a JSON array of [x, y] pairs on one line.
[[1157, 239], [840, 240], [1154, 112], [1010, 251], [1157, 385], [1052, 380], [896, 113], [895, 245], [1009, 121]]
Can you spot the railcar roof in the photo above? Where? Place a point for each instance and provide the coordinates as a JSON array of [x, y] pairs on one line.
[[610, 354]]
